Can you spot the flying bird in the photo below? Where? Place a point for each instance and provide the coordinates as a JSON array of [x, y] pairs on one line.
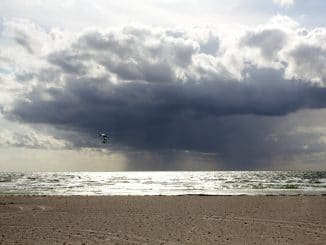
[[104, 137]]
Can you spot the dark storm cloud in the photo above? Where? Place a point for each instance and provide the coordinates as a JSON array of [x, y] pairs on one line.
[[145, 88], [182, 116]]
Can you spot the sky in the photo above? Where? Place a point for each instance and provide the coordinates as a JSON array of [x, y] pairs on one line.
[[176, 85]]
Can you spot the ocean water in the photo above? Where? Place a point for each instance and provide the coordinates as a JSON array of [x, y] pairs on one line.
[[164, 183]]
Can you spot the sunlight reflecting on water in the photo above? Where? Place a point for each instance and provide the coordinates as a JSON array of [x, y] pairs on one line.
[[163, 183]]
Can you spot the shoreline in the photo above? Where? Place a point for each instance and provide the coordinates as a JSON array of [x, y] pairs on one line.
[[164, 195], [186, 219]]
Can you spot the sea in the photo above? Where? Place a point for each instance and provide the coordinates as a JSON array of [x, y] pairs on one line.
[[164, 183]]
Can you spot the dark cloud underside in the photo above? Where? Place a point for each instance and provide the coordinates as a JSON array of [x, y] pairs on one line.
[[157, 91]]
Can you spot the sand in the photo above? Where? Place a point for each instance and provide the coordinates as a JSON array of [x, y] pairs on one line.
[[163, 220]]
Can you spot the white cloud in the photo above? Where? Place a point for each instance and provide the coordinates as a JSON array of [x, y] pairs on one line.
[[284, 3], [15, 134]]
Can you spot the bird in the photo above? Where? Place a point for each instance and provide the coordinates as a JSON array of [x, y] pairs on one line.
[[104, 137]]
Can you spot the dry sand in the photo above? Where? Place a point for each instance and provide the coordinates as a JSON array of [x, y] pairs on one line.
[[163, 220]]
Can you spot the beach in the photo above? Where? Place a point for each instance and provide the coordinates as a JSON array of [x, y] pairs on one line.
[[162, 219]]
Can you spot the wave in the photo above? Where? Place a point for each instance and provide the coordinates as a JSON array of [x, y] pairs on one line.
[[164, 183]]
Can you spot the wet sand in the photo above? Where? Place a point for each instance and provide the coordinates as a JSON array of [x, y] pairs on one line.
[[163, 220]]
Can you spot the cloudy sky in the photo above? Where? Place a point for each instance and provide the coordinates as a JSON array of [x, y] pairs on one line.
[[177, 85]]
